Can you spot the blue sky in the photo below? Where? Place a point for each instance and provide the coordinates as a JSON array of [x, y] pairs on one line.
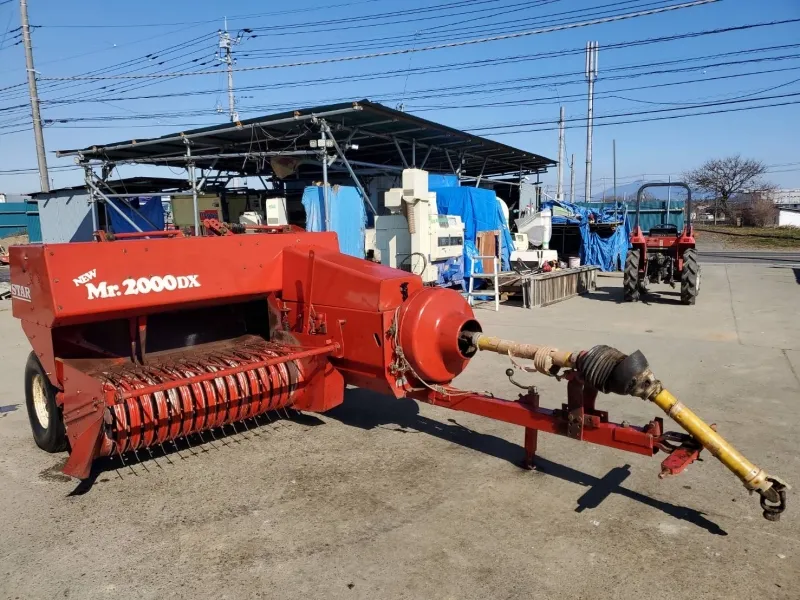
[[78, 37]]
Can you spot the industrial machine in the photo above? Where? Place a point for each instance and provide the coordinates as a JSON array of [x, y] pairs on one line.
[[530, 257], [664, 255], [274, 214], [415, 237], [142, 343]]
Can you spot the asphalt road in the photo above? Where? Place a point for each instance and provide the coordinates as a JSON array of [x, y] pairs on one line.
[[759, 257]]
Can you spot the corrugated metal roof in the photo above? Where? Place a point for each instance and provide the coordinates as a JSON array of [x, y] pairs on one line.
[[129, 185], [373, 127]]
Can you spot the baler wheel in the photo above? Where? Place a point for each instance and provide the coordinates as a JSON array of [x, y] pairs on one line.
[[690, 277], [44, 414], [630, 285]]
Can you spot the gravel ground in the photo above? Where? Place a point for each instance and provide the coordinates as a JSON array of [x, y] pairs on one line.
[[382, 498]]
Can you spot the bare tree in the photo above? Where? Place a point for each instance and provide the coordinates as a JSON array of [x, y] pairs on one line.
[[724, 177]]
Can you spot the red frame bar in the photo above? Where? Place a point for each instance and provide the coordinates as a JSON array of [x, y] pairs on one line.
[[630, 438], [168, 385]]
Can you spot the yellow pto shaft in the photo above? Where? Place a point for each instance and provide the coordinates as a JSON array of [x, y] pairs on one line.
[[609, 370]]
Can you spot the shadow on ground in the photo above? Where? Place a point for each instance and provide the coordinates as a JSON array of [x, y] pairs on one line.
[[155, 457], [368, 410], [661, 295]]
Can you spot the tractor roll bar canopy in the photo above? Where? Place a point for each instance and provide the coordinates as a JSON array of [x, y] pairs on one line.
[[666, 184]]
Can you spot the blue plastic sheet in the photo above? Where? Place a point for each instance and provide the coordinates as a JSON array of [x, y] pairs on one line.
[[436, 180], [603, 247], [480, 211], [348, 216], [149, 217]]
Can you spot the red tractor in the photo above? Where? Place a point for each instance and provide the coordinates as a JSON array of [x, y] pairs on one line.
[[663, 255]]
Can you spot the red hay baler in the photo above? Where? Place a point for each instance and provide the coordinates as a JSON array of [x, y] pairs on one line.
[[139, 343]]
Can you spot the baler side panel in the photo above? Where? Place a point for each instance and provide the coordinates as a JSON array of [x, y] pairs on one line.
[[32, 297], [136, 277]]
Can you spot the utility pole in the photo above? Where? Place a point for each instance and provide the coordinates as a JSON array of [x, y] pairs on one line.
[[591, 76], [560, 186], [225, 55], [614, 152], [36, 116], [572, 179]]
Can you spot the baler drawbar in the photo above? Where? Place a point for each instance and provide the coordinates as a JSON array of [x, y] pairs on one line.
[[142, 341]]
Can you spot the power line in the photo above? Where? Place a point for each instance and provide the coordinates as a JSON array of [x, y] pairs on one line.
[[449, 66], [230, 18], [456, 44]]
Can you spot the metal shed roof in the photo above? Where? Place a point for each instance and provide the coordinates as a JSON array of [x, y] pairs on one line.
[[129, 185], [379, 131]]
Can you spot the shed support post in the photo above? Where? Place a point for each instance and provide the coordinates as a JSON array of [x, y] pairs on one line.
[[400, 152], [452, 168], [204, 178], [478, 182], [325, 196], [343, 158], [193, 182], [87, 177], [107, 202], [425, 160]]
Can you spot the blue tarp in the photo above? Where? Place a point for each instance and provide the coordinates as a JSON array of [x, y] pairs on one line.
[[480, 211], [436, 180], [604, 247], [150, 209], [348, 216]]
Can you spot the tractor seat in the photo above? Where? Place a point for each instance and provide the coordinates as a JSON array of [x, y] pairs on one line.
[[663, 230]]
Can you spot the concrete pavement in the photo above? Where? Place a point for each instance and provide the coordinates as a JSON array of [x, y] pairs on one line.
[[762, 257], [382, 498]]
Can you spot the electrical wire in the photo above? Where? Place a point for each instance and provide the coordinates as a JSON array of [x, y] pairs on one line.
[[455, 44], [479, 63]]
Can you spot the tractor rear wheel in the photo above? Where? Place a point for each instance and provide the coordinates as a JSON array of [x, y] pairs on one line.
[[43, 412], [690, 277], [630, 282]]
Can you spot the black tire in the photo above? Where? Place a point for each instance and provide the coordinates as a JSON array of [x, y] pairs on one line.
[[44, 414], [630, 282], [690, 277]]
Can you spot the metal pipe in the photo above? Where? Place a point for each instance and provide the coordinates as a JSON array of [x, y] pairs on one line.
[[326, 202], [427, 154], [184, 136], [560, 176], [478, 181], [343, 158], [171, 159], [400, 151], [203, 180], [560, 358], [452, 168], [114, 206], [193, 182], [87, 177]]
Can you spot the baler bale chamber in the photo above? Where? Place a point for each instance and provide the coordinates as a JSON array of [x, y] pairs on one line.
[[144, 341]]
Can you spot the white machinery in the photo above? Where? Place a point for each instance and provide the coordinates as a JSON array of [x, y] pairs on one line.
[[415, 237], [533, 229], [531, 257], [275, 209]]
